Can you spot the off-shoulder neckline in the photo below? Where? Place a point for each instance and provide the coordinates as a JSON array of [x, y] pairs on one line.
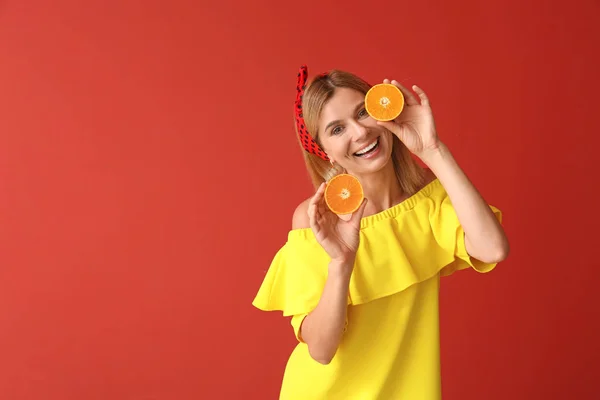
[[392, 212]]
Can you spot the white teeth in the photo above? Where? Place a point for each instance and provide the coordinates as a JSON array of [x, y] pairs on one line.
[[366, 149]]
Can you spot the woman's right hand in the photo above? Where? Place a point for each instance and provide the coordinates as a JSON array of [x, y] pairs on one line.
[[338, 237]]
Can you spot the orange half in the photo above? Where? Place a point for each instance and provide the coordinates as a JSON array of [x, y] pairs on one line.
[[343, 194], [384, 102]]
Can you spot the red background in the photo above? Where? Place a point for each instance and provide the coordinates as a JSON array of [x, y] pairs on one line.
[[148, 174]]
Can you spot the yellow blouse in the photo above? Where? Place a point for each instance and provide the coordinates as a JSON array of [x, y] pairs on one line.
[[390, 348]]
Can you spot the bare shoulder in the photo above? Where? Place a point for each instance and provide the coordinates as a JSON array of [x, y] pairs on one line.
[[300, 219]]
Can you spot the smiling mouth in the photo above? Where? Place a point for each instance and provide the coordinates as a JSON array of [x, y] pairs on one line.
[[368, 150]]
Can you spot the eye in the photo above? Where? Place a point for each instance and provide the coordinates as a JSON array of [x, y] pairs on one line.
[[337, 130], [362, 113]]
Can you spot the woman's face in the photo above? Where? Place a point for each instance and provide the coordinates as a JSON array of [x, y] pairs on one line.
[[350, 137]]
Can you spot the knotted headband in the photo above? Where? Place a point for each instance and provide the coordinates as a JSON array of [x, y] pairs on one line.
[[306, 139]]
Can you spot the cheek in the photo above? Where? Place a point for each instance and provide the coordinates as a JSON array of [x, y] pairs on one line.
[[331, 143], [341, 147]]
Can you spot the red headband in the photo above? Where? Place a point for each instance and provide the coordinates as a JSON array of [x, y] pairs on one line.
[[306, 139]]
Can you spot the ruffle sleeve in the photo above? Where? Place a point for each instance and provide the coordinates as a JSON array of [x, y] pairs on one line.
[[295, 279], [450, 235]]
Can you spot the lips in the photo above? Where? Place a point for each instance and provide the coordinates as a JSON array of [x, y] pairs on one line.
[[368, 149]]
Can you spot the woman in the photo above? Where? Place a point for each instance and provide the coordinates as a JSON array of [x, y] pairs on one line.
[[362, 292]]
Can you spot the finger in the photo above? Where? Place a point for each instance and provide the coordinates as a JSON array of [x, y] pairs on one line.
[[356, 217], [411, 100], [313, 205], [320, 199], [391, 126], [422, 95], [312, 215], [318, 196], [345, 217], [387, 81]]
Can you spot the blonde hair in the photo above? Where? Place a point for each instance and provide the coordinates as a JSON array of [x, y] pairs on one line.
[[409, 173]]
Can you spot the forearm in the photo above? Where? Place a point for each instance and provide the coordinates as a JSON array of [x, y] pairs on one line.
[[484, 236], [322, 329]]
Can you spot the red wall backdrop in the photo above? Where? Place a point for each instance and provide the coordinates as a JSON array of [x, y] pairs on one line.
[[148, 174]]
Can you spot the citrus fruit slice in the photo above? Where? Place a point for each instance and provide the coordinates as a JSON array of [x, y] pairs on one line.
[[384, 102], [343, 194]]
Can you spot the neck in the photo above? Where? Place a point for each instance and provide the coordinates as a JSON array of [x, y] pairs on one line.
[[381, 189]]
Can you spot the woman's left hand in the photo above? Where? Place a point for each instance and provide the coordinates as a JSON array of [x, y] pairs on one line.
[[414, 126]]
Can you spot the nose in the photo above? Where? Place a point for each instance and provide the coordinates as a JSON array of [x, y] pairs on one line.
[[359, 131]]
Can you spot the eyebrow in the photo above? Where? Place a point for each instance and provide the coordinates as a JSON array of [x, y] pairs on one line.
[[337, 121]]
